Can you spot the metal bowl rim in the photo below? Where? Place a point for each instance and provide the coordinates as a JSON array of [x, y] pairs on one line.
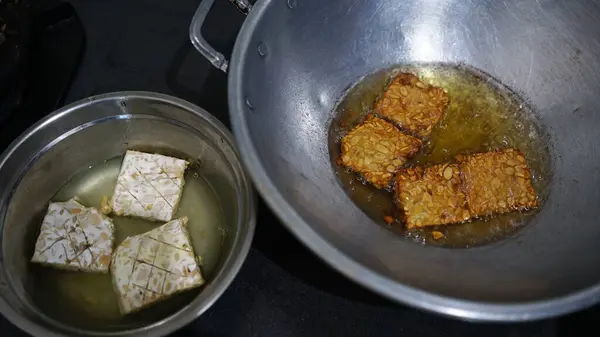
[[231, 265]]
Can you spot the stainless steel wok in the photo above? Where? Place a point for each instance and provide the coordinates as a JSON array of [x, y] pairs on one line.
[[294, 59]]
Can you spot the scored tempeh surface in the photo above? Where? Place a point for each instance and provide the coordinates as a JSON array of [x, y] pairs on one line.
[[149, 186], [155, 265], [75, 237]]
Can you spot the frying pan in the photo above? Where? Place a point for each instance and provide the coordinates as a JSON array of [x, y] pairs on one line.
[[293, 60]]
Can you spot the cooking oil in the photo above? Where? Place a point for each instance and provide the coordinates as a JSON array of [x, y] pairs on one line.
[[483, 115], [88, 300]]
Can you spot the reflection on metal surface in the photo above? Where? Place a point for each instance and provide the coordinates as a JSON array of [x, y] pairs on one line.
[[244, 6], [548, 51], [212, 55]]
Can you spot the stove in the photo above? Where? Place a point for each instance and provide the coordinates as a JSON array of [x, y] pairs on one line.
[[282, 289]]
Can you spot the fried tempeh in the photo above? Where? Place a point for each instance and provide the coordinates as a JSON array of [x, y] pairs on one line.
[[377, 149], [497, 182], [415, 106], [431, 196]]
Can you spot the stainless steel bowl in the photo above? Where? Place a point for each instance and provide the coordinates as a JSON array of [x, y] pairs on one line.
[[51, 152], [293, 60]]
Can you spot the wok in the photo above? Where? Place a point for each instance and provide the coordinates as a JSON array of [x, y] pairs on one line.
[[294, 59]]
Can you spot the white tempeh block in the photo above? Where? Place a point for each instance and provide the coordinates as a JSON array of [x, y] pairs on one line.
[[75, 237], [155, 265], [149, 186]]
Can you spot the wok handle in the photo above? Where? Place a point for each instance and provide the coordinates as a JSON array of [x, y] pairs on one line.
[[216, 58]]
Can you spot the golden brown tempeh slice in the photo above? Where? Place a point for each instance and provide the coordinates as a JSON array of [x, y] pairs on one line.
[[431, 196], [415, 106], [377, 149], [497, 182]]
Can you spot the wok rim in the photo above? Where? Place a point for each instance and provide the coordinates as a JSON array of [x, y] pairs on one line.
[[380, 284]]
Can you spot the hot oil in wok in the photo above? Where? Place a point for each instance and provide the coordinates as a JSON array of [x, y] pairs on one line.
[[483, 115]]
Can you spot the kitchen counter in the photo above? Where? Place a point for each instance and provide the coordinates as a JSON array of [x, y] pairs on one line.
[[282, 289]]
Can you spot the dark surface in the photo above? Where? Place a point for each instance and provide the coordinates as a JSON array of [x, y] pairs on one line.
[[46, 49], [15, 42], [282, 289]]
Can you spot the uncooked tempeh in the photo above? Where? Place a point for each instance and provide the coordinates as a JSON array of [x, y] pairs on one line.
[[155, 265], [149, 186], [75, 237]]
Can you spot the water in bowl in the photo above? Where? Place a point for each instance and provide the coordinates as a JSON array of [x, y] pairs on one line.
[[87, 300]]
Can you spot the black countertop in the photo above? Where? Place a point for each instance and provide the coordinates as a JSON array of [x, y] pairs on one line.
[[282, 289]]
